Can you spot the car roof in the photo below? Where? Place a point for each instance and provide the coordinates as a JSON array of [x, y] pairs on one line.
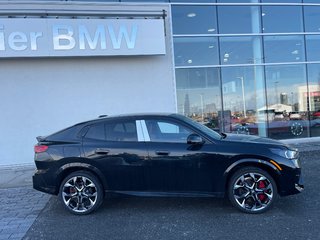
[[130, 115]]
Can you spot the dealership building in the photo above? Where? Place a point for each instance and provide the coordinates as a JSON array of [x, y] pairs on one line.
[[240, 66]]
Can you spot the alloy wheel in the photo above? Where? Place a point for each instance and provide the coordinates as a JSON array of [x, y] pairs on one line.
[[253, 192], [79, 194]]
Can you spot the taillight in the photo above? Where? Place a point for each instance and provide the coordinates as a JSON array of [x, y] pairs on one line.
[[40, 148]]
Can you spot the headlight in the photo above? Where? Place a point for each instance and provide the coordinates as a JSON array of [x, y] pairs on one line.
[[289, 154]]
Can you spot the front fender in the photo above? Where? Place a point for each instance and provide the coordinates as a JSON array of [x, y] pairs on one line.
[[263, 164]]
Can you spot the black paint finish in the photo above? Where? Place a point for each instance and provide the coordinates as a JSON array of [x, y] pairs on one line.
[[161, 168]]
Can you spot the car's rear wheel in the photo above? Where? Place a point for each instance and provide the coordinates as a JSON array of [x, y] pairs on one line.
[[81, 192], [252, 190]]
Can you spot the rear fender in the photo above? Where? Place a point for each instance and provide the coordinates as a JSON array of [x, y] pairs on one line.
[[76, 166]]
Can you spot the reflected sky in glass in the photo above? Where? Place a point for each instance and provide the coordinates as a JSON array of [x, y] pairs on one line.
[[196, 51], [192, 1], [194, 20], [240, 50], [282, 1], [313, 47], [282, 19], [279, 49], [238, 19], [312, 18], [237, 1]]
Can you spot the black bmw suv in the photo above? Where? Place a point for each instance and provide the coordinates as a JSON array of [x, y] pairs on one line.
[[162, 155]]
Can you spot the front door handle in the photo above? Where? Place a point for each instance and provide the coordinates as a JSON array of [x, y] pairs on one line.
[[162, 153], [102, 151]]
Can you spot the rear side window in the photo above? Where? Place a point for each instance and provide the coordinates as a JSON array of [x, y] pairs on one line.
[[121, 131], [96, 132]]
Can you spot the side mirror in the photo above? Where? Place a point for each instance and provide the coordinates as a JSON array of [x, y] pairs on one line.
[[194, 139]]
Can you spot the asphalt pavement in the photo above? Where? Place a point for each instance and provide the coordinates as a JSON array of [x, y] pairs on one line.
[[29, 214]]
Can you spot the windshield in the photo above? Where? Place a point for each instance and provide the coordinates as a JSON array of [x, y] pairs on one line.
[[200, 127]]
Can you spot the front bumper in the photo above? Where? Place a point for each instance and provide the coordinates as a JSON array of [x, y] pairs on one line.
[[299, 186], [292, 183]]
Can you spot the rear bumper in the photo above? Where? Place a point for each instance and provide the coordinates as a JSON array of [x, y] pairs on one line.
[[41, 184]]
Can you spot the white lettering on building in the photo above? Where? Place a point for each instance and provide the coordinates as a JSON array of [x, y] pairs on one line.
[[64, 37], [84, 36], [19, 41], [116, 41]]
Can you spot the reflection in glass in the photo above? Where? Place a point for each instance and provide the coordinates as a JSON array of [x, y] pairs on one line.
[[237, 1], [150, 1], [282, 1], [240, 50], [239, 19], [287, 101], [244, 100], [198, 94], [282, 19], [311, 1], [313, 47], [312, 18], [284, 49], [193, 1], [194, 20], [314, 98], [195, 51]]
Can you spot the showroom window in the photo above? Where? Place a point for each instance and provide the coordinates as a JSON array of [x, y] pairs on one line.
[[195, 51], [287, 98], [282, 19], [240, 50], [279, 49], [238, 19], [194, 20]]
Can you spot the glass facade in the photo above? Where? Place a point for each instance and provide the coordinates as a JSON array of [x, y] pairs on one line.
[[241, 68]]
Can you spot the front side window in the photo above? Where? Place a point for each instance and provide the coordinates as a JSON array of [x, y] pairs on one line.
[[166, 131]]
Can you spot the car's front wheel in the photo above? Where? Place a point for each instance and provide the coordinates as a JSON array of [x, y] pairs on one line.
[[81, 192], [252, 190]]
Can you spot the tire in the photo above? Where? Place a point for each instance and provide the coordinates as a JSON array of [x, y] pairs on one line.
[[252, 190], [81, 193]]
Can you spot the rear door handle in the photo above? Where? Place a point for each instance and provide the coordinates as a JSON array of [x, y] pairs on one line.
[[162, 153], [102, 151]]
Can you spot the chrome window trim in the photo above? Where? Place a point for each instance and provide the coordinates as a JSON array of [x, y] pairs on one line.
[[139, 131], [145, 131]]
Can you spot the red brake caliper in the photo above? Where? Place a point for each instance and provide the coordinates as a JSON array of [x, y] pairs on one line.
[[261, 185]]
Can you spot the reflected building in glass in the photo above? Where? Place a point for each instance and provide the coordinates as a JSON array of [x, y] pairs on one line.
[[249, 67]]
